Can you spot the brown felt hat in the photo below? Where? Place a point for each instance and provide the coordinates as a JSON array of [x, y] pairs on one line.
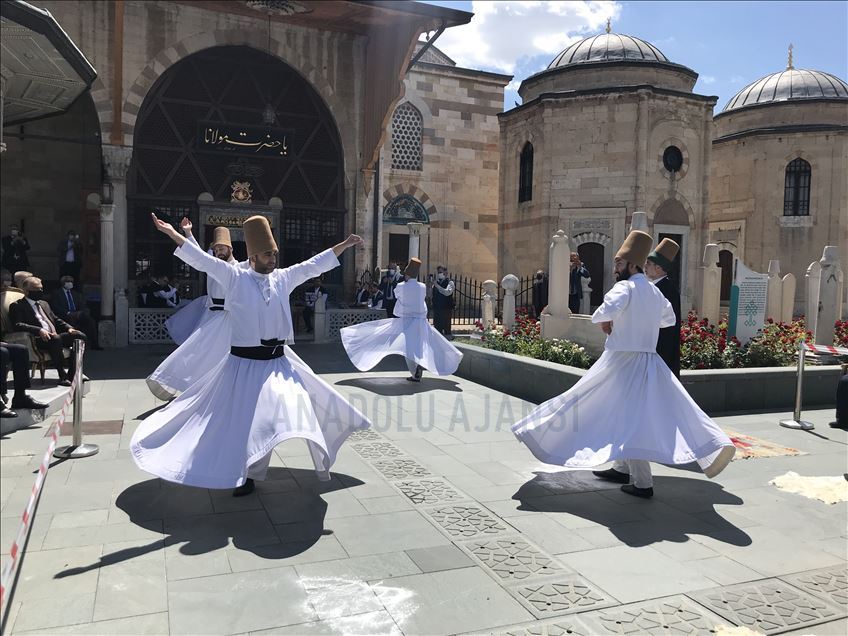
[[222, 237], [635, 248], [412, 268], [664, 254], [258, 236]]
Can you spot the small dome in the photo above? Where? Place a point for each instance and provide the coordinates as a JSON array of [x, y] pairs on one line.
[[608, 47], [789, 85]]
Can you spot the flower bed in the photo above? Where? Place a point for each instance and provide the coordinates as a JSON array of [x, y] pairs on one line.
[[525, 340]]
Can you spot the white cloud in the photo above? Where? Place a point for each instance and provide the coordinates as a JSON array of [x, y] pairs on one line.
[[708, 79], [513, 85], [503, 33], [737, 79]]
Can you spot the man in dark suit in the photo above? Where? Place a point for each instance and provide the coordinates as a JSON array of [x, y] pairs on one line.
[[69, 252], [69, 305], [576, 272], [15, 247], [657, 268], [387, 286], [33, 315], [540, 293]]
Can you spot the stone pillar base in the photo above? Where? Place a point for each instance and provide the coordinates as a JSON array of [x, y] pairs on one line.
[[106, 333], [555, 326]]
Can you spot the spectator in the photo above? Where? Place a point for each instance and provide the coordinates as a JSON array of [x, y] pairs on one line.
[[51, 334], [575, 287], [70, 256], [310, 297], [363, 295], [15, 248], [540, 292], [6, 281], [69, 305], [388, 285], [159, 293], [17, 356], [376, 297], [20, 277], [443, 302]]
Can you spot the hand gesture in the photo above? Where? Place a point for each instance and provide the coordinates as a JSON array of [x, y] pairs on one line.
[[353, 240], [606, 327], [166, 229], [44, 334], [186, 225]]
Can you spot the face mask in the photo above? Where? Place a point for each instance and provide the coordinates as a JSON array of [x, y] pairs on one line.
[[69, 285], [539, 278], [440, 276], [392, 272]]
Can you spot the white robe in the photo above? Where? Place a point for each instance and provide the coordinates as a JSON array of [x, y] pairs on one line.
[[409, 335], [204, 344], [629, 405], [223, 427]]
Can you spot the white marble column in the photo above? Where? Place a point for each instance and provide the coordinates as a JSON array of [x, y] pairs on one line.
[[113, 249], [510, 284], [415, 239], [116, 161], [107, 259]]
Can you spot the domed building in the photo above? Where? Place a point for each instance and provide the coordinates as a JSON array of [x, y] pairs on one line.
[[778, 187], [609, 128]]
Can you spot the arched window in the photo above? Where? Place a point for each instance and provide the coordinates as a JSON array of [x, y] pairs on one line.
[[406, 138], [796, 189], [525, 174]]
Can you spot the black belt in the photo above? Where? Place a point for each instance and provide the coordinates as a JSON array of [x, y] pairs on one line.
[[217, 304], [269, 350]]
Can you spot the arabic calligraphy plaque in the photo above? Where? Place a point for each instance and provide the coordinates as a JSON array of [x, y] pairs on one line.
[[243, 140]]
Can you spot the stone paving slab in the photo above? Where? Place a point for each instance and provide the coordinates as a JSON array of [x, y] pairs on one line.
[[396, 542]]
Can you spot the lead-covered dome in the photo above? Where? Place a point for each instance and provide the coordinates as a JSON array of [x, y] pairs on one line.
[[608, 47], [789, 85]]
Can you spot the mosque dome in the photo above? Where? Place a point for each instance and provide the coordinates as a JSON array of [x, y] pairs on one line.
[[789, 86], [608, 47]]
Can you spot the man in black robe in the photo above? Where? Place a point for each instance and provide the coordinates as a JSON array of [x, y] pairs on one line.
[[657, 268]]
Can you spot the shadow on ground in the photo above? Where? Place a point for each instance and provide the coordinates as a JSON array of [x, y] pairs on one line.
[[681, 506], [282, 518], [400, 386]]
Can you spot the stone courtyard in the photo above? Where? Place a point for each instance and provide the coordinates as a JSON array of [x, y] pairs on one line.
[[436, 521]]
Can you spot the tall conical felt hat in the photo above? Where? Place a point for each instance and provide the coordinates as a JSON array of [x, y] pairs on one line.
[[412, 268], [635, 248], [222, 237], [664, 254], [258, 236]]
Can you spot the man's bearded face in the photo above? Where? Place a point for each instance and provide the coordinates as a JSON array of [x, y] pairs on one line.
[[222, 251], [622, 269]]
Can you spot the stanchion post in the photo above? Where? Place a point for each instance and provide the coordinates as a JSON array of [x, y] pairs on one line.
[[77, 449], [797, 422]]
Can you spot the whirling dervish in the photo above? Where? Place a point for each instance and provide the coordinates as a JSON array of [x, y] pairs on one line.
[[629, 407], [202, 328], [220, 432], [409, 334]]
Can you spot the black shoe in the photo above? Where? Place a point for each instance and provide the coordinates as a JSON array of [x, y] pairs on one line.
[[64, 383], [26, 402], [419, 371], [6, 412], [412, 378], [842, 425], [644, 493], [611, 474], [245, 489]]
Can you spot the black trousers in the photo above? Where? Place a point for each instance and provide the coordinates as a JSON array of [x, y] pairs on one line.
[[442, 320], [85, 323], [842, 401], [18, 356], [574, 303], [54, 348], [389, 306], [308, 315]]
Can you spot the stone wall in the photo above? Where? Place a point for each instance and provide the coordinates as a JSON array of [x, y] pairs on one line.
[[458, 183]]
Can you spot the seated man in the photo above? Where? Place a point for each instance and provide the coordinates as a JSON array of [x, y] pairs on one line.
[[20, 277], [376, 297], [310, 297], [69, 305], [18, 356], [33, 315]]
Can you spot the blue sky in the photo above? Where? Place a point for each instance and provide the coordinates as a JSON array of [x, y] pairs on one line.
[[729, 44]]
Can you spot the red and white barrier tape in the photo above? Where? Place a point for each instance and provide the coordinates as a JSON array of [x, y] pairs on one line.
[[818, 348], [27, 516]]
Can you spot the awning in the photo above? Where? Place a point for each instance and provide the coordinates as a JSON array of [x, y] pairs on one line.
[[43, 71]]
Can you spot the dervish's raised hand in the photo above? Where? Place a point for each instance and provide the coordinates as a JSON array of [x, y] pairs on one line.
[[186, 226], [167, 229], [606, 327], [351, 241]]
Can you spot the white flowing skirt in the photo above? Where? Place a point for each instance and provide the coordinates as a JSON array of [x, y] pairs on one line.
[[234, 416], [194, 358], [629, 405], [186, 320], [413, 338]]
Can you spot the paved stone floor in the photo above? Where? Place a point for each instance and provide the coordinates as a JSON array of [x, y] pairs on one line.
[[435, 522]]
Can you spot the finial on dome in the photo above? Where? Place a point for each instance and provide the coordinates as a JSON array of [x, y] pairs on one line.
[[789, 66], [609, 25]]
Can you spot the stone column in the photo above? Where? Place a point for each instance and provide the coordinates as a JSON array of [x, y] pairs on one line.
[[586, 301], [710, 300], [814, 274], [415, 239], [830, 295], [113, 256], [510, 286], [774, 294], [320, 319], [106, 327], [490, 300], [116, 161], [555, 318]]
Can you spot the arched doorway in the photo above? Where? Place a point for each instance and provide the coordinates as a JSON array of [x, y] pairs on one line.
[[725, 261], [592, 255], [246, 128], [671, 221]]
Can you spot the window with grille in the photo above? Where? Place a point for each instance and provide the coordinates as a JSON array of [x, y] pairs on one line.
[[796, 189], [525, 174], [406, 138]]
